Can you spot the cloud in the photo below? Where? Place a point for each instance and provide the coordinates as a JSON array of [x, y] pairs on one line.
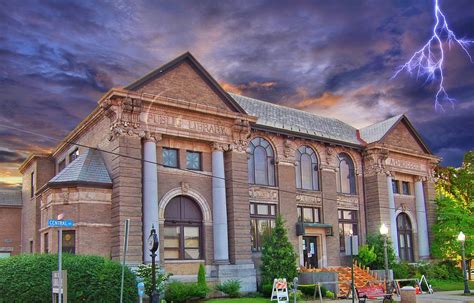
[[11, 156], [250, 87], [327, 99]]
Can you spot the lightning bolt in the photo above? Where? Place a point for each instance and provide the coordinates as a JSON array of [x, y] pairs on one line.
[[429, 61]]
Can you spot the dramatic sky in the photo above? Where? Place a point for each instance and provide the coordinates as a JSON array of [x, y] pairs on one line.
[[333, 58]]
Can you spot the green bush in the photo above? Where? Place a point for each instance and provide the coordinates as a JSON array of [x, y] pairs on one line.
[[145, 272], [299, 296], [230, 288], [278, 255], [201, 278], [308, 290], [179, 292], [445, 270], [330, 295], [27, 278], [266, 289], [376, 242], [366, 255]]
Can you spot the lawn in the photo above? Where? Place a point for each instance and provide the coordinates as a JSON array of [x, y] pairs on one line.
[[443, 285], [240, 300]]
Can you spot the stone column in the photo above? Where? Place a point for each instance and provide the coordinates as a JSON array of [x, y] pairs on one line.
[[423, 246], [393, 218], [150, 194], [219, 206]]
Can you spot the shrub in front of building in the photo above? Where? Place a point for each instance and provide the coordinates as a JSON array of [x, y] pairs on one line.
[[145, 273], [27, 278], [179, 292], [230, 287], [278, 257]]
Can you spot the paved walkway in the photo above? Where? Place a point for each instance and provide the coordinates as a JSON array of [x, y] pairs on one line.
[[438, 297]]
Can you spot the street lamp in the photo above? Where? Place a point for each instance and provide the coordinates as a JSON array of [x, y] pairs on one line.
[[351, 234], [384, 233], [153, 245], [462, 239]]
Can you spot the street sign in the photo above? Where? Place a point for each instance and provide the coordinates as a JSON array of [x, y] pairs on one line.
[[60, 223]]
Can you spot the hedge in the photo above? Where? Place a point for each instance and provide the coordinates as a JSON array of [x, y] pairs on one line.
[[27, 278]]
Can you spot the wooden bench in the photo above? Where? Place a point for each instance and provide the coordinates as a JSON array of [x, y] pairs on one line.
[[373, 292]]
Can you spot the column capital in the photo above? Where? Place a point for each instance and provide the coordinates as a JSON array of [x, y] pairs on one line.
[[150, 136], [217, 146], [420, 178], [240, 145]]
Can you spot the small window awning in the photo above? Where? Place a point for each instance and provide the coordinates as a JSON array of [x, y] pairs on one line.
[[303, 229]]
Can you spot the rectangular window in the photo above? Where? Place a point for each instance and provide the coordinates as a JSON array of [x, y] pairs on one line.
[[170, 157], [347, 222], [46, 243], [395, 187], [69, 241], [73, 156], [191, 242], [31, 246], [309, 214], [406, 188], [262, 220], [171, 242], [32, 184], [193, 160], [61, 165]]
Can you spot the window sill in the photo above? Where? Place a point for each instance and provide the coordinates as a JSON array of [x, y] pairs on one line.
[[315, 191]]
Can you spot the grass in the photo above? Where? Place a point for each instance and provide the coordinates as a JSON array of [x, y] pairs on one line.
[[445, 285], [240, 300]]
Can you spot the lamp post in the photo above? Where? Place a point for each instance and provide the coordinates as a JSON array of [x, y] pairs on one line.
[[153, 245], [384, 233], [351, 234], [462, 239]]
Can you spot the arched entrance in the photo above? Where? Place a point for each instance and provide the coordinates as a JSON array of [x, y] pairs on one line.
[[405, 237], [183, 230]]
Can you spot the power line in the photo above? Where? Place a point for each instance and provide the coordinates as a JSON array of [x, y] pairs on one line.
[[162, 165]]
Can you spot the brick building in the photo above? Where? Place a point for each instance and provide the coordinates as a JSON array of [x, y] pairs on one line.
[[212, 170], [10, 222]]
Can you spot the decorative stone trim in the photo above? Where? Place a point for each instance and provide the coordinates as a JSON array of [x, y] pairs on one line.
[[216, 146], [308, 198], [347, 201], [263, 194], [178, 191]]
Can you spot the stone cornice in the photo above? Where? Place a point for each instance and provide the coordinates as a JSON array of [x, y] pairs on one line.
[[407, 152], [183, 104]]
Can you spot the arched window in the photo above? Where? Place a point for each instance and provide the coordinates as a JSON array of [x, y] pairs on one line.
[[183, 229], [261, 163], [346, 175], [306, 168], [405, 238]]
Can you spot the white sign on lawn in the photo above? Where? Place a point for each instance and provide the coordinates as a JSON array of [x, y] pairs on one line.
[[280, 291]]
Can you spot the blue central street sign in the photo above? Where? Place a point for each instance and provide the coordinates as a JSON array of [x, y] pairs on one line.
[[60, 223]]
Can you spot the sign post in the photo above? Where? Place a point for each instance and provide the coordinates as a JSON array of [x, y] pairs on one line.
[[59, 223]]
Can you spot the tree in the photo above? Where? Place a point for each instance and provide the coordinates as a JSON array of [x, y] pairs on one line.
[[376, 242], [455, 210], [278, 255], [366, 255]]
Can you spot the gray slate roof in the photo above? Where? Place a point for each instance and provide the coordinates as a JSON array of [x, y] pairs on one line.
[[10, 197], [286, 118], [89, 167], [375, 132]]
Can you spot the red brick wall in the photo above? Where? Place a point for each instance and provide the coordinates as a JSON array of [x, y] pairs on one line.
[[10, 226]]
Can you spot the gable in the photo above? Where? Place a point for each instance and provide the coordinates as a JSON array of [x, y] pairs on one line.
[[403, 136], [185, 79]]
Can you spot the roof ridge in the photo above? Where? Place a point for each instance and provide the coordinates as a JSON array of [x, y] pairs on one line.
[[292, 109]]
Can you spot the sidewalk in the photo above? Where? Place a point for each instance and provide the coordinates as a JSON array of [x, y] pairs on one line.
[[438, 297]]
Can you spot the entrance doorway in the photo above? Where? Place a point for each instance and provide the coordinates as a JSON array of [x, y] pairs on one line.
[[310, 252]]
